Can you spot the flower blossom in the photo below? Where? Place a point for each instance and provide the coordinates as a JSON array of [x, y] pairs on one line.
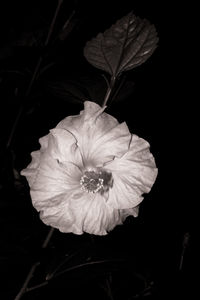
[[90, 173]]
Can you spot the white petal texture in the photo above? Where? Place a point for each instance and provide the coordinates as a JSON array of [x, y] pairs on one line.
[[90, 173]]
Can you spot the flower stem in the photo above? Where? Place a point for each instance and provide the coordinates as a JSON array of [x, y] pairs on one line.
[[48, 237], [184, 246], [98, 262], [38, 286], [109, 90], [33, 268], [108, 287], [26, 282]]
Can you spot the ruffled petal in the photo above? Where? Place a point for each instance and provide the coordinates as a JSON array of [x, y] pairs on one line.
[[58, 214], [81, 213], [54, 178], [91, 115], [31, 171], [59, 145], [99, 136], [124, 213], [56, 186], [113, 144], [133, 175], [63, 147], [50, 179], [93, 215]]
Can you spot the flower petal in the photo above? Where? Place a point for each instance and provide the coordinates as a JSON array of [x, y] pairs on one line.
[[112, 144], [133, 174], [93, 215], [55, 187], [31, 171], [81, 213], [59, 214], [57, 148], [63, 147], [93, 129], [92, 114], [50, 178], [124, 213]]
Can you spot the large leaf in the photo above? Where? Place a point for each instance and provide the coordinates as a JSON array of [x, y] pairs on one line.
[[124, 46]]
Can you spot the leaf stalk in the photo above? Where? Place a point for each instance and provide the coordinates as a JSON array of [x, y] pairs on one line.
[[109, 90]]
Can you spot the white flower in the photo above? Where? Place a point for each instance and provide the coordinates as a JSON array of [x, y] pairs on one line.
[[90, 173]]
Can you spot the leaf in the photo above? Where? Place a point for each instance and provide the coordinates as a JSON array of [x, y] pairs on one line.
[[69, 25], [69, 90], [124, 46]]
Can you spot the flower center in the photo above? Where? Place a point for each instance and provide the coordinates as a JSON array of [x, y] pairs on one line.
[[96, 181]]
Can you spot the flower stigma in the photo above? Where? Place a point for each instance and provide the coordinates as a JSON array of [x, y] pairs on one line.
[[96, 181]]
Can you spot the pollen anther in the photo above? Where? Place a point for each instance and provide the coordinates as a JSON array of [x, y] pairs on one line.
[[91, 182]]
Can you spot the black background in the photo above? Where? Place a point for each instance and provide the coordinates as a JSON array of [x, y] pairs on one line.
[[155, 110]]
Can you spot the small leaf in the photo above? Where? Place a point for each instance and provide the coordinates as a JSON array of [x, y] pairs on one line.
[[124, 46], [69, 25], [69, 90]]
